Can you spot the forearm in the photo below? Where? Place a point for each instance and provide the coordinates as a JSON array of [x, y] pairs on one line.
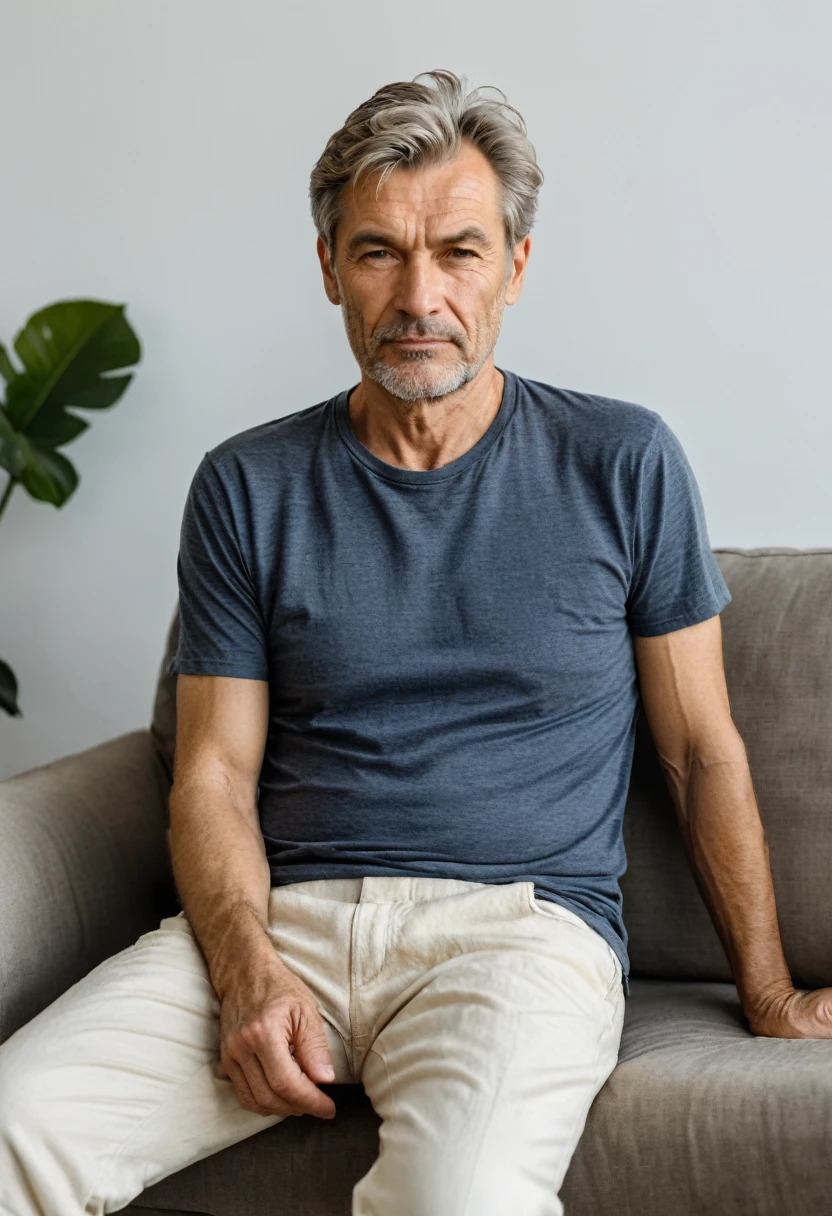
[[728, 852], [222, 876]]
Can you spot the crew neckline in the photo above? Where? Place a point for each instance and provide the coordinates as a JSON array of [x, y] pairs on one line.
[[421, 477]]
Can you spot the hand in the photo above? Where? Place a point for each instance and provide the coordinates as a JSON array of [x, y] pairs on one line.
[[266, 1013], [795, 1014]]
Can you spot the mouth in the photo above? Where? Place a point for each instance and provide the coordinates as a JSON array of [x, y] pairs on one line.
[[419, 341]]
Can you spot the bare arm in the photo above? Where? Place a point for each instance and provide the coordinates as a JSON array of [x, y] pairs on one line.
[[223, 879], [704, 761]]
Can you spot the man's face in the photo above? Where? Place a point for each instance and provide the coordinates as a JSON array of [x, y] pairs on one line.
[[422, 275]]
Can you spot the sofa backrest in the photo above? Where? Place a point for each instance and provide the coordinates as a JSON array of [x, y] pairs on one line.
[[777, 644]]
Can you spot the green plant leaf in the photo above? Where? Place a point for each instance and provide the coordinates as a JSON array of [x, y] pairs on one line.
[[8, 691], [53, 430], [13, 448], [65, 350], [6, 369], [49, 476]]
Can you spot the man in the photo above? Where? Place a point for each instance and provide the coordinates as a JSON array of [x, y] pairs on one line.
[[416, 620]]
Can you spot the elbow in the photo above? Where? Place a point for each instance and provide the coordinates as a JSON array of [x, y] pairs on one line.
[[702, 756]]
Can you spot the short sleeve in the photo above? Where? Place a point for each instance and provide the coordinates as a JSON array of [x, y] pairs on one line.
[[221, 629], [676, 578]]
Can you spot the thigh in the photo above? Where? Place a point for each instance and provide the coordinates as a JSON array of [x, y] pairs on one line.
[[486, 1071], [113, 1086]]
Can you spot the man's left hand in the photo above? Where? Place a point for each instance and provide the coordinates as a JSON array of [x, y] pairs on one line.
[[796, 1014]]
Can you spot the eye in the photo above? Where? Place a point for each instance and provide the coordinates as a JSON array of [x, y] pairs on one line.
[[469, 252], [374, 253]]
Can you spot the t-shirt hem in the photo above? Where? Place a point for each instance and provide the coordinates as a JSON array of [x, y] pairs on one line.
[[213, 667], [702, 610]]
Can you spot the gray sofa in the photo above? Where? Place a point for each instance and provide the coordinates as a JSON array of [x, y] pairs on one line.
[[699, 1117]]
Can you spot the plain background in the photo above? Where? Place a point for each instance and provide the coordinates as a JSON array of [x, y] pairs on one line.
[[158, 154]]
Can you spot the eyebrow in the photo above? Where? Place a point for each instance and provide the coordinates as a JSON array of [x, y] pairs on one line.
[[471, 235]]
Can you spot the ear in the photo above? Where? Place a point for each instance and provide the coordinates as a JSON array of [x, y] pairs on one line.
[[330, 284], [520, 256]]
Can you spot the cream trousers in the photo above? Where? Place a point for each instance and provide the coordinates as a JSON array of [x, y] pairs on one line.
[[480, 1020]]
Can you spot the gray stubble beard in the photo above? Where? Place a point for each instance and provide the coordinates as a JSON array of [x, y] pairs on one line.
[[399, 381]]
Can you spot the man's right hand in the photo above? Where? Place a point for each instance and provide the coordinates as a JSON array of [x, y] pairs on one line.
[[266, 1014]]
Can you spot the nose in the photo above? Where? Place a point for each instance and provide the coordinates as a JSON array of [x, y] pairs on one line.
[[418, 291]]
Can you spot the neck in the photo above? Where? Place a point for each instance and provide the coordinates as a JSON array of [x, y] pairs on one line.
[[427, 433]]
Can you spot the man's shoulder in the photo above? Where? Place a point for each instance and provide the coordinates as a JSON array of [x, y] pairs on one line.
[[591, 417], [283, 439]]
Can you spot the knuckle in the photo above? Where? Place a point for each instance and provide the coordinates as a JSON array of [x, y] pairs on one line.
[[250, 1034], [234, 1044]]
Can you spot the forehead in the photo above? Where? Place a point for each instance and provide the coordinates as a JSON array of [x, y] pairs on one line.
[[464, 188]]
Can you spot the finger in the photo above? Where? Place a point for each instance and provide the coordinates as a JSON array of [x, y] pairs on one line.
[[312, 1052], [249, 1099], [264, 1093], [284, 1076]]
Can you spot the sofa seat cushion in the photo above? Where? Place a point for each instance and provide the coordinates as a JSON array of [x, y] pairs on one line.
[[699, 1118]]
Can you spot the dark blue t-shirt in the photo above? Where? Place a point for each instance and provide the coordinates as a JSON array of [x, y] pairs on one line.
[[452, 683]]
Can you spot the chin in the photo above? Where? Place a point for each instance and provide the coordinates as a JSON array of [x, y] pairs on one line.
[[416, 383]]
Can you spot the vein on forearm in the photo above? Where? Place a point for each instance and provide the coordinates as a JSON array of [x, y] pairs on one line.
[[728, 852]]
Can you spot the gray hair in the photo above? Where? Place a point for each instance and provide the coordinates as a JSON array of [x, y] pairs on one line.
[[413, 125]]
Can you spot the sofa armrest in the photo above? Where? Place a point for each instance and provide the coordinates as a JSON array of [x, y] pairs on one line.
[[84, 868]]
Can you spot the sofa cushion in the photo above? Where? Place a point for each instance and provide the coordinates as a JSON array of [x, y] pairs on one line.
[[699, 1118], [702, 1118], [777, 639]]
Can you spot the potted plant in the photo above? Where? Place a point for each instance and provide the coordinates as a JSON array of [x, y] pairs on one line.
[[66, 351]]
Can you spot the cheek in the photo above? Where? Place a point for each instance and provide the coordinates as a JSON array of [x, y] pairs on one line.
[[475, 304], [477, 290], [369, 299]]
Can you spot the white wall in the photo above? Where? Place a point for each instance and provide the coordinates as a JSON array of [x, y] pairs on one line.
[[158, 153]]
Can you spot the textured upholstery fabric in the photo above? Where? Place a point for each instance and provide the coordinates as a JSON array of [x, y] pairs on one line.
[[83, 869], [702, 1118], [777, 641], [699, 1118]]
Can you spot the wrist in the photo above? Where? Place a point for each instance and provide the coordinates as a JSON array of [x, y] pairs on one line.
[[765, 1001], [241, 943]]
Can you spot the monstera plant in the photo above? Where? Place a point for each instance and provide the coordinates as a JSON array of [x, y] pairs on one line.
[[65, 351]]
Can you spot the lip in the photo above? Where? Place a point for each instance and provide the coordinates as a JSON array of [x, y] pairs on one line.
[[419, 341]]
